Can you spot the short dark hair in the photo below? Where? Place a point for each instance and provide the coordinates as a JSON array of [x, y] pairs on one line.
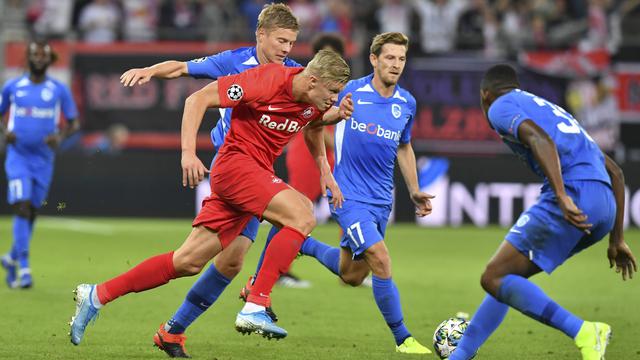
[[331, 40], [500, 77]]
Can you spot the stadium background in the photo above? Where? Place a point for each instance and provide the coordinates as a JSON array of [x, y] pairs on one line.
[[580, 54]]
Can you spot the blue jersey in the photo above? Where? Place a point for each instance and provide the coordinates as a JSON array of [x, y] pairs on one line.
[[580, 157], [34, 113], [366, 144], [223, 64]]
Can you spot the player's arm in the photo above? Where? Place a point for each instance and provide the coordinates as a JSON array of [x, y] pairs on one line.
[[314, 138], [165, 70], [54, 140], [5, 100], [193, 170], [546, 154], [72, 125], [407, 165], [336, 113], [619, 253]]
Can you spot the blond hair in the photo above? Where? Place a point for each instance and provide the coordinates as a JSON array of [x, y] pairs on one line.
[[329, 66], [388, 38], [277, 16]]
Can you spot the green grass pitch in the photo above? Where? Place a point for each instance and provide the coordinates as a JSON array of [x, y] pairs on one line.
[[437, 272]]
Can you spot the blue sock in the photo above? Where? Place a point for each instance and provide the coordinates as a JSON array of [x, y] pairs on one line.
[[388, 299], [327, 255], [21, 237], [528, 298], [201, 295], [274, 230], [485, 321]]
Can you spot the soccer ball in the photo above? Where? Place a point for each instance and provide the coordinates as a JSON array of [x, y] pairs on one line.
[[448, 335]]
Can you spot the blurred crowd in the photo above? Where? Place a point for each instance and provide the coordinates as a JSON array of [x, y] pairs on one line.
[[495, 27]]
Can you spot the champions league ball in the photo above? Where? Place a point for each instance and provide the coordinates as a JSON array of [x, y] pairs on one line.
[[448, 335]]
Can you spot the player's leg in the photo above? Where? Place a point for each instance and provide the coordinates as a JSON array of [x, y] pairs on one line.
[[487, 318], [201, 245], [226, 265], [541, 239], [39, 191], [289, 211], [16, 262], [387, 298], [286, 279], [364, 226]]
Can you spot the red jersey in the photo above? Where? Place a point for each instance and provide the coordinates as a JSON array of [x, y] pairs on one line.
[[265, 115]]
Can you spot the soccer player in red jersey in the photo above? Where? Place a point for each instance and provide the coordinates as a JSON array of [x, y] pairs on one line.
[[270, 104]]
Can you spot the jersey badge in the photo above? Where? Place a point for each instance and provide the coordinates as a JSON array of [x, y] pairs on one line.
[[46, 94], [396, 110], [235, 92]]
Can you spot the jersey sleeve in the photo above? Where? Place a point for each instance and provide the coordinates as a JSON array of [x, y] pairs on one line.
[[210, 67], [67, 103], [246, 87], [405, 138], [506, 116], [5, 98]]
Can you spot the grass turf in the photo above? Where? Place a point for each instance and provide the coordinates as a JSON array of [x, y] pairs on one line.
[[436, 270]]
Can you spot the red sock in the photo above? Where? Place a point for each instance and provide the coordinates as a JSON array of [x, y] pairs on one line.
[[149, 274], [277, 259]]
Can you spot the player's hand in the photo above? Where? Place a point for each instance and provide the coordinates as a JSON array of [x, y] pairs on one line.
[[53, 141], [573, 215], [327, 181], [136, 77], [621, 256], [346, 107], [10, 137], [422, 202], [193, 170]]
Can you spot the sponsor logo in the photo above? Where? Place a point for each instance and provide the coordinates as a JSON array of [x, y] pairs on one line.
[[35, 112], [361, 102], [375, 129], [235, 92], [271, 108], [275, 180], [21, 93], [288, 125], [396, 110], [199, 60]]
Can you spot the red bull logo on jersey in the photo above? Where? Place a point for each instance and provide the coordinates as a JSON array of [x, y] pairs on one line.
[[35, 112], [375, 129], [288, 125]]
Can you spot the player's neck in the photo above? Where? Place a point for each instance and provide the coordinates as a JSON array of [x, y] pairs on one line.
[[37, 78], [298, 86], [262, 58], [382, 89]]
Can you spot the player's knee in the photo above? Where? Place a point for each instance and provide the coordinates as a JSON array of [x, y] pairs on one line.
[[380, 264], [490, 281], [305, 222], [230, 267], [354, 279], [23, 209]]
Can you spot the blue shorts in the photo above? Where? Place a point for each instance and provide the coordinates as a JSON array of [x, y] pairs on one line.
[[546, 238], [251, 230], [28, 178], [363, 225]]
